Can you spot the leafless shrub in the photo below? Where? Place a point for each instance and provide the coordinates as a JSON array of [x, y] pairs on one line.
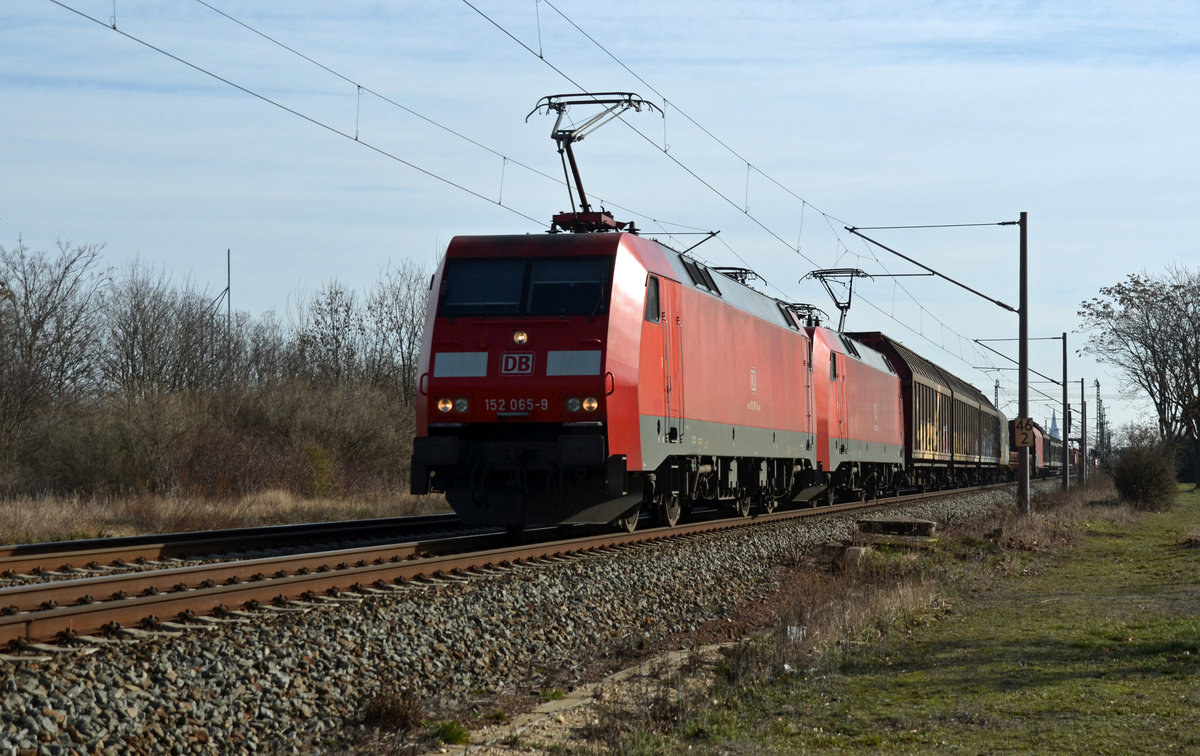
[[138, 386], [47, 333], [1145, 476], [396, 707]]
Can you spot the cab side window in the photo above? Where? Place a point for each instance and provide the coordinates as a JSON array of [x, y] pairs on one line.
[[652, 310]]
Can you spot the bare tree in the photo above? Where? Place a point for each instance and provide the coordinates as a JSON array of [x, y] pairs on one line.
[[329, 330], [139, 314], [395, 319], [1149, 329], [160, 339], [49, 328]]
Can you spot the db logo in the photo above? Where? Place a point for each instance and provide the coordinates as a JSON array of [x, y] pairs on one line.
[[516, 363]]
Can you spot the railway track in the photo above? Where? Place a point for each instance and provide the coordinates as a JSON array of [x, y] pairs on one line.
[[67, 610], [70, 558]]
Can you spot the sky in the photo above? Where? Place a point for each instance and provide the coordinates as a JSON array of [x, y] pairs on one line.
[[321, 141]]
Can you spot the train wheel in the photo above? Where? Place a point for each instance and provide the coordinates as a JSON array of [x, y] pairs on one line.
[[741, 506], [628, 522], [769, 504], [667, 509]]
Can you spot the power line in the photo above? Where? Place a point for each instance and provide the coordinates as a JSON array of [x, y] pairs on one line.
[[298, 114], [111, 24], [750, 166], [384, 98], [432, 174]]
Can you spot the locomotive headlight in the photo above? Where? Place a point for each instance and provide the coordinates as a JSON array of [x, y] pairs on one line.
[[590, 404], [573, 404], [520, 338], [461, 405], [444, 405]]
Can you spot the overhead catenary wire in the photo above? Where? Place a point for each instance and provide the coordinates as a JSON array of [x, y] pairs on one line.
[[505, 159], [744, 208], [356, 136], [292, 111], [728, 200]]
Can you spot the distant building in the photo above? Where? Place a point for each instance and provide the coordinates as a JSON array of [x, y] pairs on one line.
[[1053, 424]]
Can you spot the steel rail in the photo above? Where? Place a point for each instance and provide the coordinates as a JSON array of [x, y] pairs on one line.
[[89, 590], [65, 555], [247, 584]]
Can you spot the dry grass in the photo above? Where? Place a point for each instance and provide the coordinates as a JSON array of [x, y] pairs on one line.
[[774, 692], [29, 520], [1056, 520]]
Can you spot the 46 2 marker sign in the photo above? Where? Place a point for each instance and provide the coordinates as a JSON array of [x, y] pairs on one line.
[[1023, 431]]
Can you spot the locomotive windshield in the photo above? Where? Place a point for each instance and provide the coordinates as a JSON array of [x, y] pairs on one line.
[[481, 286]]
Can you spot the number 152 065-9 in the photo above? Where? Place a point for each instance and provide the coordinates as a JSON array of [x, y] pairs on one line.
[[516, 405]]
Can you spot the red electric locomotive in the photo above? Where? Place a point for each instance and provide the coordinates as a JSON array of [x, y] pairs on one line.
[[860, 425], [576, 378]]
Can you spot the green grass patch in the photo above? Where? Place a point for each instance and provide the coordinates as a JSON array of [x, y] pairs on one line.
[[1077, 631], [451, 732]]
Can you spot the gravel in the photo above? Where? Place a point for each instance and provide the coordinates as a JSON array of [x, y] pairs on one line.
[[297, 680]]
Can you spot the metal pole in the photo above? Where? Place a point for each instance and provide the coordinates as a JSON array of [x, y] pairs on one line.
[[1066, 445], [1066, 433], [228, 313], [1083, 450], [1023, 370]]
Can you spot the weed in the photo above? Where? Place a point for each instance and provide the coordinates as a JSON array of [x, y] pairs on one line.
[[451, 732], [553, 694], [393, 708]]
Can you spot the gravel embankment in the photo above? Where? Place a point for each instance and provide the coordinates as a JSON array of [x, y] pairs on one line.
[[298, 680]]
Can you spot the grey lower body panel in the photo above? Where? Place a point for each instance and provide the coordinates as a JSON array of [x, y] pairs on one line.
[[847, 451], [699, 438]]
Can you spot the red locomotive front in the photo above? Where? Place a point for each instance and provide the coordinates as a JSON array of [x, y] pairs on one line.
[[517, 384]]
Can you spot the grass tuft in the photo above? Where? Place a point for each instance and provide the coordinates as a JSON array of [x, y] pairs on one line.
[[394, 708], [451, 732]]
